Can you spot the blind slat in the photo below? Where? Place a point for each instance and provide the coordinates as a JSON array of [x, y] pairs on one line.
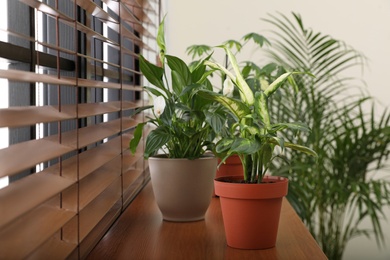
[[38, 5], [25, 76], [31, 115], [67, 20], [95, 133], [101, 72], [129, 123], [139, 9], [94, 158], [28, 193], [92, 109], [130, 160], [129, 17], [95, 211], [95, 10], [132, 87], [98, 12], [98, 84], [23, 156], [44, 221], [98, 181], [54, 248]]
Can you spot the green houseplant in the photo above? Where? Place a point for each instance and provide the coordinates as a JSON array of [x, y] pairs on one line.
[[230, 165], [254, 138], [344, 188], [181, 168]]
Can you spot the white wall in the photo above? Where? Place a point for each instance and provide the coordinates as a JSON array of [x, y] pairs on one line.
[[365, 25]]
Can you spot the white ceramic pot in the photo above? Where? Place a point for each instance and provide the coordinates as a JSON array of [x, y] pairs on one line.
[[183, 188]]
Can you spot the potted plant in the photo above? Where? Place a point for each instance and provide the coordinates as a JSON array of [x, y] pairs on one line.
[[232, 166], [181, 167], [254, 138]]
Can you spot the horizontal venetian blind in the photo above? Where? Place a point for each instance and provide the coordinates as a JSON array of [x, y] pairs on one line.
[[73, 80]]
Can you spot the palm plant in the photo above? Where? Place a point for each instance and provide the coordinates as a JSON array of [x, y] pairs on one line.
[[334, 195]]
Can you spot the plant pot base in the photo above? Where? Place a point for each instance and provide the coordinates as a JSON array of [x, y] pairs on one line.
[[261, 235]]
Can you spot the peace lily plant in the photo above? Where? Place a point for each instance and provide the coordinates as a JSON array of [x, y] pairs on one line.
[[181, 117], [252, 135]]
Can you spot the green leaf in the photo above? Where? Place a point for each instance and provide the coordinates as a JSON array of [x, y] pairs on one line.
[[216, 119], [257, 38], [198, 50], [245, 91], [280, 141], [156, 139], [246, 70], [277, 83], [224, 145], [199, 73], [153, 73], [266, 152], [300, 148], [268, 69], [181, 75], [140, 109], [236, 107], [261, 107], [178, 65], [252, 130], [203, 79], [154, 91], [178, 85], [199, 103], [297, 126], [233, 44], [161, 40], [136, 137], [167, 115], [217, 66], [245, 146]]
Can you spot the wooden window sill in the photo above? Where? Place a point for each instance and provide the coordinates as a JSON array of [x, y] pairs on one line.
[[140, 233]]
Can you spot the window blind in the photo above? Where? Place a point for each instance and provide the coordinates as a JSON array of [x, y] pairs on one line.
[[71, 172]]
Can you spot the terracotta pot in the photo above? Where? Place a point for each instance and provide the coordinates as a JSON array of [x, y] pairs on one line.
[[183, 188], [251, 211], [231, 167]]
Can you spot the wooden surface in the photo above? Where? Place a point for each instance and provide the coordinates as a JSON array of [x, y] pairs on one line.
[[140, 233]]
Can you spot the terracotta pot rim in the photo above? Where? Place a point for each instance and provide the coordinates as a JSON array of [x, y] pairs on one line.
[[278, 188], [267, 177]]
